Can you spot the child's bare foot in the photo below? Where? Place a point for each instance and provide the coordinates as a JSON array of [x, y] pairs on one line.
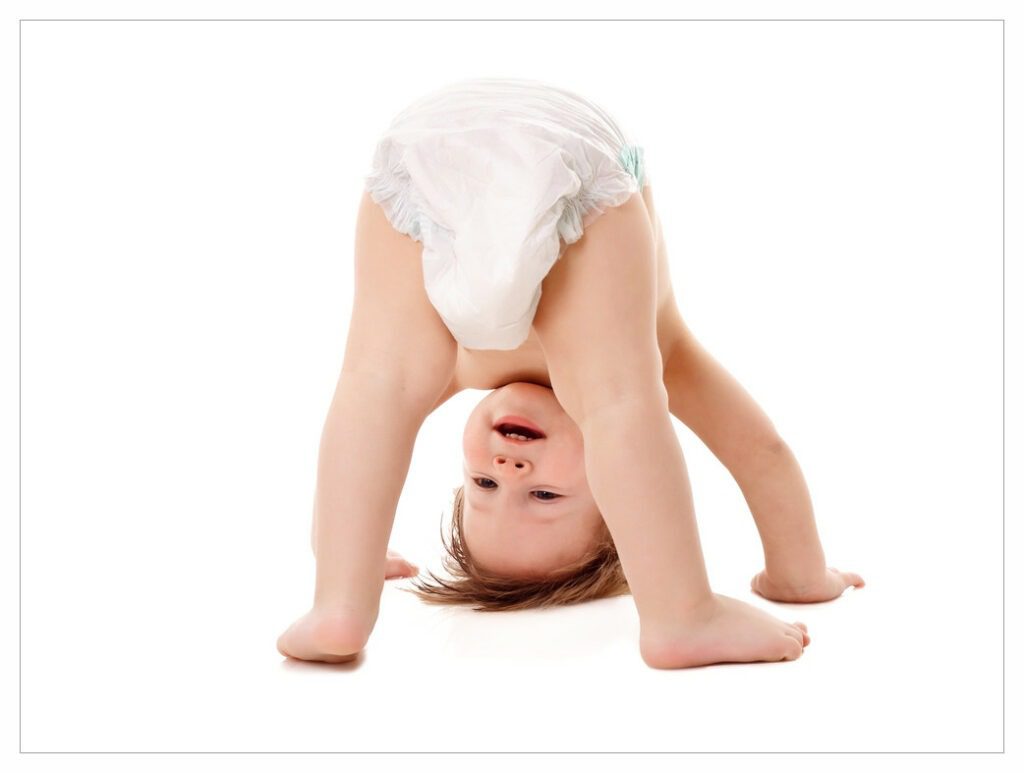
[[336, 633], [726, 630], [328, 635], [806, 590]]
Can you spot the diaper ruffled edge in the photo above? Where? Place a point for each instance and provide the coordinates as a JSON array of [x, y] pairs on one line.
[[390, 186], [603, 193]]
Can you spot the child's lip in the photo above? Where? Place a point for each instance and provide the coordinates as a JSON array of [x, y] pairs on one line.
[[521, 422], [508, 439]]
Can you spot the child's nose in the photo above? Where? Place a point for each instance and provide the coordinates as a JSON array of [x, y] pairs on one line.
[[511, 465]]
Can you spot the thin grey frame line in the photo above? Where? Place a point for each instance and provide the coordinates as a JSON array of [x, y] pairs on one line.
[[1004, 381], [958, 751], [1004, 402], [462, 19]]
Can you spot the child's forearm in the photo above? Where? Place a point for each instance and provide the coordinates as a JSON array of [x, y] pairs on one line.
[[776, 492], [707, 399], [637, 475], [365, 451]]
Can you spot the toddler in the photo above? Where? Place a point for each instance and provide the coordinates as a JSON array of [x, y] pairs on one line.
[[507, 240]]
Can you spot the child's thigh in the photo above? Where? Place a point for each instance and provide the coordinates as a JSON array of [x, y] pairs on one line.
[[395, 334], [597, 317]]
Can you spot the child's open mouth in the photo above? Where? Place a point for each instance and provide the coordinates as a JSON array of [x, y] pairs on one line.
[[517, 429]]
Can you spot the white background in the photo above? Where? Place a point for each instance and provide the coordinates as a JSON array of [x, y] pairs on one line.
[[832, 199]]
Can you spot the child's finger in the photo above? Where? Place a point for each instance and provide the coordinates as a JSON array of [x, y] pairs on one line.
[[399, 567]]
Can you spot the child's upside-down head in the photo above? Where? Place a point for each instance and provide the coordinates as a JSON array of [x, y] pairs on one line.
[[525, 531]]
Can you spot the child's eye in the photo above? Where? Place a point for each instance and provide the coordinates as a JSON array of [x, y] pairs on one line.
[[543, 499]]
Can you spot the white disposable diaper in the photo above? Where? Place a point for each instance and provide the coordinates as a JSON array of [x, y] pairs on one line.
[[495, 176]]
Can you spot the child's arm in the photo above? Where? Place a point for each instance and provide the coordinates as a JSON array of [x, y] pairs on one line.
[[706, 397]]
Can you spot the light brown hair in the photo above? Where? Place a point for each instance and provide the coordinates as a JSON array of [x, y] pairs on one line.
[[598, 574]]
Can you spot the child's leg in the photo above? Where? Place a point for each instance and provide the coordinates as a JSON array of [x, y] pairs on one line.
[[597, 325], [399, 357]]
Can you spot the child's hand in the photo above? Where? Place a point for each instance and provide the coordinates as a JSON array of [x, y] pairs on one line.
[[824, 587], [396, 566]]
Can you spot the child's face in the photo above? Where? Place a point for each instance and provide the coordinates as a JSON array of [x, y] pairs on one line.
[[512, 523]]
